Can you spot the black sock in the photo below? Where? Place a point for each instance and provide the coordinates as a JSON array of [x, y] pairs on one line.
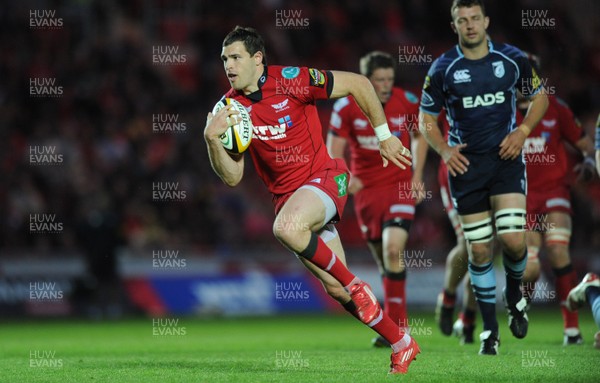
[[350, 306], [488, 314], [514, 275]]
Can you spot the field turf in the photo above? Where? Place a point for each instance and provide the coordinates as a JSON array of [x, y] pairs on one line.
[[280, 349]]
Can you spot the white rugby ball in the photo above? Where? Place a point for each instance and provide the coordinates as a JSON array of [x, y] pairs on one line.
[[237, 138]]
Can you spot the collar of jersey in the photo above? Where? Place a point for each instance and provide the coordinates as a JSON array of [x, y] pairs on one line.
[[257, 95], [490, 50]]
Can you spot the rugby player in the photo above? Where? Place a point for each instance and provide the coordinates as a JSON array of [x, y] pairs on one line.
[[311, 193], [549, 199], [477, 82], [384, 199]]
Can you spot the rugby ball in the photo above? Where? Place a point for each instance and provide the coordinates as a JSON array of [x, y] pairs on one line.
[[238, 136]]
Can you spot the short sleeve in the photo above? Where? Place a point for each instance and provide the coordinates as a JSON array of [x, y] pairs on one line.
[[432, 98], [307, 84], [529, 82]]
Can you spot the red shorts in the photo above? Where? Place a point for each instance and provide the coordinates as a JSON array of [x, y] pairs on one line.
[[555, 198], [333, 179], [447, 200], [378, 205]]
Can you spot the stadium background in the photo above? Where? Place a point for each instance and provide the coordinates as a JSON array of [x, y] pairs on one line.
[[100, 262]]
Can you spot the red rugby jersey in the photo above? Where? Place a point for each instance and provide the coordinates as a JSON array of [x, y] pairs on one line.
[[349, 122], [545, 154], [287, 145]]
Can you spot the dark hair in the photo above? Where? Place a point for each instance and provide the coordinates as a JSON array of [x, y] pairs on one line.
[[467, 4], [375, 60], [252, 40]]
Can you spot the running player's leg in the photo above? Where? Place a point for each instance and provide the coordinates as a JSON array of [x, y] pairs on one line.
[[456, 265], [532, 269], [303, 216], [557, 240], [466, 319], [509, 213], [296, 224], [394, 238], [479, 234], [376, 249]]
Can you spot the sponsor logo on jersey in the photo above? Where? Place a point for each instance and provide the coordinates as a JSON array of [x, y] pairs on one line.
[[535, 79], [317, 78], [290, 72], [360, 124], [483, 100], [549, 123], [273, 132], [461, 75], [498, 69], [280, 107]]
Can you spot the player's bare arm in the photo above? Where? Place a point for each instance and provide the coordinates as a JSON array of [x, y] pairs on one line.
[[419, 149], [512, 144], [390, 147], [455, 161], [229, 167]]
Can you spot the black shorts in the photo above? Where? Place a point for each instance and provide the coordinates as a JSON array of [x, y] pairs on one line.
[[487, 175]]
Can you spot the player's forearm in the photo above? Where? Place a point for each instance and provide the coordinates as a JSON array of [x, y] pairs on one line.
[[430, 130], [419, 151], [535, 112], [228, 169]]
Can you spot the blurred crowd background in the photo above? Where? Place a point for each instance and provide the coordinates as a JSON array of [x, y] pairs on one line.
[[102, 56]]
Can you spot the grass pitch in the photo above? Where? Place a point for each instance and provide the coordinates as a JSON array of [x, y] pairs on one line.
[[281, 349]]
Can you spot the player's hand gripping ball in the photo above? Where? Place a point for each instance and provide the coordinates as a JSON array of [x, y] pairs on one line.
[[238, 136]]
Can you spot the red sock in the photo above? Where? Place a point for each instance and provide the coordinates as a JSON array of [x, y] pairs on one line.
[[318, 253], [388, 329], [565, 281], [394, 304], [448, 300]]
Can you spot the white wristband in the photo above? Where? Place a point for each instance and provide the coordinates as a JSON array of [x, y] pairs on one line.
[[383, 132]]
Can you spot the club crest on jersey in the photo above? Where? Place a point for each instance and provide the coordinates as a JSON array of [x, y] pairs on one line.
[[461, 75], [290, 72], [280, 107], [498, 69]]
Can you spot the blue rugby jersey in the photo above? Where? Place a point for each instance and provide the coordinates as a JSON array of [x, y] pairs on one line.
[[479, 95]]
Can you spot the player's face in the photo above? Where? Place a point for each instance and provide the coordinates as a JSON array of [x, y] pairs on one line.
[[470, 24], [241, 68], [383, 81]]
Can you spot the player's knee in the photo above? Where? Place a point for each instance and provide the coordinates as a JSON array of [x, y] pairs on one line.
[[289, 233], [510, 226], [513, 244], [480, 253]]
